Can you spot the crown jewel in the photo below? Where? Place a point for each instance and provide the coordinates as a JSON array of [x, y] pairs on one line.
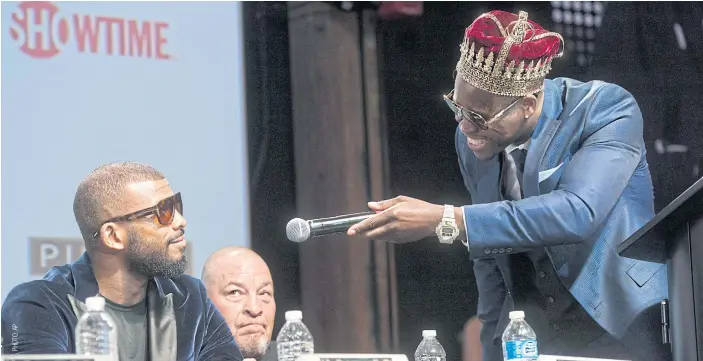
[[485, 65]]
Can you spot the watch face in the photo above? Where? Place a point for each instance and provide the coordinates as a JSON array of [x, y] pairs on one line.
[[447, 232]]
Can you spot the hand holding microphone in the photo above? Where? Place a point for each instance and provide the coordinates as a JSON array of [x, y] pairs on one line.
[[299, 230], [398, 220]]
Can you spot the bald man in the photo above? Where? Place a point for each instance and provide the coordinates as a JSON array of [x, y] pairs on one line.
[[239, 283]]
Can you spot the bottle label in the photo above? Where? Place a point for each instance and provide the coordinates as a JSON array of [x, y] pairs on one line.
[[520, 350]]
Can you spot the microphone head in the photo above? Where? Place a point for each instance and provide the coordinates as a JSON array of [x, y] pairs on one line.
[[298, 230]]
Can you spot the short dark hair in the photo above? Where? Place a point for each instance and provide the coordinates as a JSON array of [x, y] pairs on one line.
[[100, 196]]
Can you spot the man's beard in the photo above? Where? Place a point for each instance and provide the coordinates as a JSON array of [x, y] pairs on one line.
[[253, 347], [146, 258]]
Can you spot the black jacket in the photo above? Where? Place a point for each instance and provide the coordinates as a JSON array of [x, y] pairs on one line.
[[39, 317]]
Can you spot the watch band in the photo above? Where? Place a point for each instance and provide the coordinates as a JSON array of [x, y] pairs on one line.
[[448, 211]]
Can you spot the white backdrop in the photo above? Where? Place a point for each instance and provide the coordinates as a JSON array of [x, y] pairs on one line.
[[87, 83]]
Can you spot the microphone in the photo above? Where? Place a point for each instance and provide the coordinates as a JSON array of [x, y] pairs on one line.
[[299, 230]]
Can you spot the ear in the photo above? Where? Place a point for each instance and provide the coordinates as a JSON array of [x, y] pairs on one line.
[[529, 105], [113, 236]]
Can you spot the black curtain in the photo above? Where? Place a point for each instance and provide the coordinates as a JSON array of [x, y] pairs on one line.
[[270, 140]]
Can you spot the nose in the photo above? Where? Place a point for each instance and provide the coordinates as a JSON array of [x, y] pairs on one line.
[[458, 117], [179, 222], [253, 305], [467, 128]]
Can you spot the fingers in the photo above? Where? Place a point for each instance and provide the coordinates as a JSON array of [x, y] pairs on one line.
[[381, 233], [369, 223], [384, 215], [387, 203], [376, 206]]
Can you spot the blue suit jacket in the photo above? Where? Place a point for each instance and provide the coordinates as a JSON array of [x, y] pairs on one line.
[[39, 317], [587, 187]]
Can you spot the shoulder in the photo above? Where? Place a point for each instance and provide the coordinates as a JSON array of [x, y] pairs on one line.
[[599, 103], [577, 91], [28, 290], [52, 288], [42, 294]]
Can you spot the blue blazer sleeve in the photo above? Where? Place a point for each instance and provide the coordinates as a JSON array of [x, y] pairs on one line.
[[31, 324], [590, 186], [218, 342]]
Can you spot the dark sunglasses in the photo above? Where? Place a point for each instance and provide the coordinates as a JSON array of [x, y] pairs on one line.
[[476, 119], [163, 212]]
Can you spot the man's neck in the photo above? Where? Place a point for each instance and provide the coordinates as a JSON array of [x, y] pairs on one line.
[[117, 284], [523, 141]]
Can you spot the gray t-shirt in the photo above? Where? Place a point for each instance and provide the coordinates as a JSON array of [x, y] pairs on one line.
[[132, 334]]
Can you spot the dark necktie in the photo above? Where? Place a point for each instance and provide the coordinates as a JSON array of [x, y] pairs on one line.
[[519, 156]]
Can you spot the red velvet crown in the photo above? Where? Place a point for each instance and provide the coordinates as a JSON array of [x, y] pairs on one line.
[[507, 54]]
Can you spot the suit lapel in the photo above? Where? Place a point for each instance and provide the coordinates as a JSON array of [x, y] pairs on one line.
[[535, 155], [547, 126], [162, 324], [78, 307]]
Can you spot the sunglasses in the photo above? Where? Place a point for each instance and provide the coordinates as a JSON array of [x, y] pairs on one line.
[[474, 118], [163, 212]]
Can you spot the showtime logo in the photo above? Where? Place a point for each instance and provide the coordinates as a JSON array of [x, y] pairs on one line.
[[44, 32]]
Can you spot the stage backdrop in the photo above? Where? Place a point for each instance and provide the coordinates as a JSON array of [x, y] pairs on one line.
[[87, 83]]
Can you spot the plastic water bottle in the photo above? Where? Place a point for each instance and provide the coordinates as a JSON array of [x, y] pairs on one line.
[[519, 339], [294, 339], [429, 348], [96, 334]]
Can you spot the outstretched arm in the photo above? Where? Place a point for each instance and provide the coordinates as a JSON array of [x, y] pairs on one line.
[[590, 186]]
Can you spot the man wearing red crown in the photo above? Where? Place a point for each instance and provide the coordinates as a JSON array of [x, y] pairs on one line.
[[558, 177]]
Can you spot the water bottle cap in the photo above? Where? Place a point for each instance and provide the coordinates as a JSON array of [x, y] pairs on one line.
[[95, 303], [517, 314], [294, 315], [429, 333]]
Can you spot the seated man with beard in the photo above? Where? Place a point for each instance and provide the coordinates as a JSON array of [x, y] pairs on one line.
[[239, 283], [133, 227]]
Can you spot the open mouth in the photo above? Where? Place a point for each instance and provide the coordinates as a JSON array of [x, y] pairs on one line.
[[476, 143]]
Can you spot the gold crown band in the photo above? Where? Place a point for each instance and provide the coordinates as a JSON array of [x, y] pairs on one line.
[[493, 75]]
